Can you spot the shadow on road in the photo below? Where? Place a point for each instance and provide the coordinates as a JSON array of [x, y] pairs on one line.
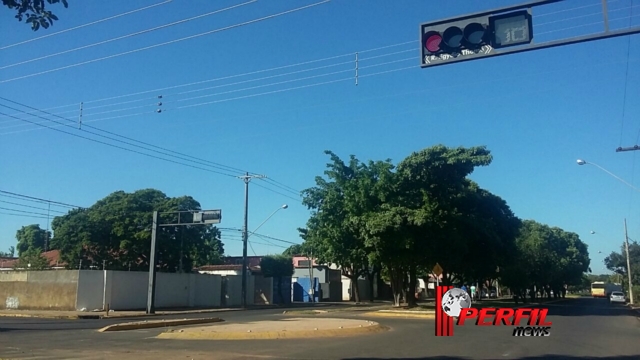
[[546, 357]]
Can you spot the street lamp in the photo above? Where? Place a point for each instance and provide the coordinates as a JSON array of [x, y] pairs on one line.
[[626, 237], [244, 253], [582, 162]]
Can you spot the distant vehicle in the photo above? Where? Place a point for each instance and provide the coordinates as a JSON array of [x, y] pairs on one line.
[[610, 288], [597, 289], [617, 297]]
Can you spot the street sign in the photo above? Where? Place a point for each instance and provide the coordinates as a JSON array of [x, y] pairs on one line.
[[437, 270]]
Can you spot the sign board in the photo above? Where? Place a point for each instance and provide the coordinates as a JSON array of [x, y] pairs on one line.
[[437, 270]]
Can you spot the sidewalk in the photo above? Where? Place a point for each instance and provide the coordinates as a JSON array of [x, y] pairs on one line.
[[53, 314]]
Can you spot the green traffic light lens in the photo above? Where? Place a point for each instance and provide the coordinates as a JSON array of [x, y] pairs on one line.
[[474, 33], [452, 37]]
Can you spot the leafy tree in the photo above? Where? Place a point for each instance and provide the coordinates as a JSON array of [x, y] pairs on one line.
[[32, 259], [117, 230], [34, 11], [335, 229], [31, 237], [617, 262], [10, 253], [277, 267], [295, 250]]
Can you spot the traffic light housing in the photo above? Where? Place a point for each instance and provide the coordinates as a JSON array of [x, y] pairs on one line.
[[207, 217], [468, 37]]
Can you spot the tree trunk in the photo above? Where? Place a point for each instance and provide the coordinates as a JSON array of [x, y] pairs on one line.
[[370, 279], [396, 276], [413, 274], [355, 288]]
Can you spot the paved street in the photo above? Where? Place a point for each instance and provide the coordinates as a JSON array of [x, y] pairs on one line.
[[582, 328]]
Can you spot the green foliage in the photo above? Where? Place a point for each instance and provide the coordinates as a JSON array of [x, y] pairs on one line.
[[34, 11], [31, 237], [295, 250], [10, 253], [276, 266], [32, 259], [117, 230], [404, 219], [617, 262]]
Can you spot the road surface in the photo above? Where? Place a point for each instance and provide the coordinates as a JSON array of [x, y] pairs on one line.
[[582, 328]]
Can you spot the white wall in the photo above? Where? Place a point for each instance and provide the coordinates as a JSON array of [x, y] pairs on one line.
[[127, 290], [234, 290], [90, 290]]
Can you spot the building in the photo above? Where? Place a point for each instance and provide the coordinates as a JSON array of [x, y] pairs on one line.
[[53, 256]]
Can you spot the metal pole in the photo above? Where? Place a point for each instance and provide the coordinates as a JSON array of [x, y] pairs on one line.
[[245, 239], [626, 242], [605, 15], [152, 267]]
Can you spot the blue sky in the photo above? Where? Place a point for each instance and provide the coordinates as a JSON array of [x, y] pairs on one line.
[[537, 112]]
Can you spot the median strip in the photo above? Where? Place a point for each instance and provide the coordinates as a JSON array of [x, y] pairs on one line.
[[157, 324]]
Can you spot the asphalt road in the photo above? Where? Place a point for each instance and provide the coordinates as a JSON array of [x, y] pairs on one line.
[[582, 328]]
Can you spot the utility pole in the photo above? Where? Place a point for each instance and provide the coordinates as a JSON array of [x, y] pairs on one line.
[[626, 243], [151, 290], [245, 233]]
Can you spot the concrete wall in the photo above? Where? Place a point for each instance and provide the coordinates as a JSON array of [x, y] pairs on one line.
[[263, 290], [39, 290], [234, 290], [90, 290]]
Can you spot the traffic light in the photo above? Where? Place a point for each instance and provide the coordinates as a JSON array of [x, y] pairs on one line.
[[207, 217], [465, 38]]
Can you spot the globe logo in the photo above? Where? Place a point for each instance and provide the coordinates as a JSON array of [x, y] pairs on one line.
[[454, 300]]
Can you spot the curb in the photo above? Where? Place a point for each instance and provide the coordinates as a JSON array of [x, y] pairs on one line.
[[43, 316], [157, 324], [273, 335], [101, 315], [402, 314]]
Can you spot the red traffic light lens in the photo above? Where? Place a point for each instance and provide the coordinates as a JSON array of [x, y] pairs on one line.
[[432, 41], [452, 37], [474, 33]]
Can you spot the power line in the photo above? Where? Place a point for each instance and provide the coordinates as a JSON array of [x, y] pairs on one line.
[[205, 162], [29, 216], [162, 96], [31, 207], [23, 211], [127, 36], [168, 42], [36, 199], [85, 25], [164, 152]]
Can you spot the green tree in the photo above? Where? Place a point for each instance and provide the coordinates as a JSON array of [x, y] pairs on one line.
[[32, 259], [34, 11], [31, 237], [295, 250], [334, 232], [277, 267], [10, 253], [617, 262], [117, 230]]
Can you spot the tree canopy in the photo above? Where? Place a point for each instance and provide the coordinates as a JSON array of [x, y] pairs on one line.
[[617, 262], [34, 11], [117, 230], [403, 219], [31, 237]]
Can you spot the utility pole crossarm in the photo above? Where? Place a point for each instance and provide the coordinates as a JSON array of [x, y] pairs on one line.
[[630, 148]]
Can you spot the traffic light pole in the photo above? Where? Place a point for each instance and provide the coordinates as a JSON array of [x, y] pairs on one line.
[[151, 290], [245, 233]]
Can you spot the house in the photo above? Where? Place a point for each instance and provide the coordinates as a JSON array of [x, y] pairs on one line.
[[53, 256], [327, 283]]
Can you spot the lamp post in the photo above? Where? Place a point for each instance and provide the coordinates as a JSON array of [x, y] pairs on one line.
[[626, 237]]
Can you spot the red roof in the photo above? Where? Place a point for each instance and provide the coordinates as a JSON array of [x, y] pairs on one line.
[[52, 255]]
